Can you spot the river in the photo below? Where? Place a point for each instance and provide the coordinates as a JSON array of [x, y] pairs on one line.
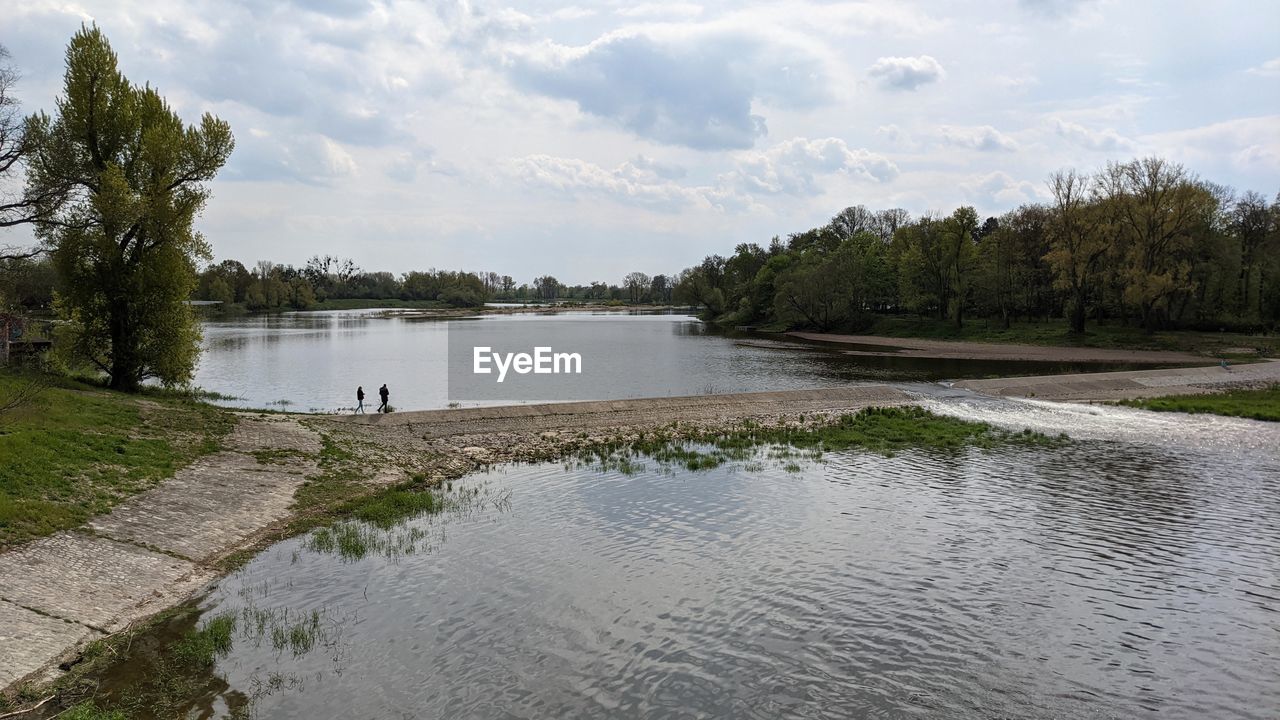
[[1132, 573], [313, 361]]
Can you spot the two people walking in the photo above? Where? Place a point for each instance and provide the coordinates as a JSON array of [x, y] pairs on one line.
[[383, 392]]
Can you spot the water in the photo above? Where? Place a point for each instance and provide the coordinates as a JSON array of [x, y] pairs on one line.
[[1136, 577], [314, 361]]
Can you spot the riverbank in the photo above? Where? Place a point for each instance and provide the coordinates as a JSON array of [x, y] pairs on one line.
[[1057, 333], [1132, 384], [275, 475], [881, 346]]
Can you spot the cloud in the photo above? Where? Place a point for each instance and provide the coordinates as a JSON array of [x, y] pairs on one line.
[[1246, 144], [794, 167], [906, 73], [999, 190], [1054, 8], [408, 165], [663, 10], [1106, 140], [629, 183], [696, 92], [984, 138], [1270, 68], [311, 159]]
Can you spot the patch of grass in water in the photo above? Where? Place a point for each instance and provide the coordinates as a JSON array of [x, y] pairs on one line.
[[1254, 404], [881, 430], [204, 646]]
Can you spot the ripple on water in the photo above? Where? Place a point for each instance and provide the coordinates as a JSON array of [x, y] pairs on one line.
[[1104, 579]]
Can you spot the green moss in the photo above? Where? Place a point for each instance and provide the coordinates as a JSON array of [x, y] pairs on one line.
[[75, 450], [1260, 404]]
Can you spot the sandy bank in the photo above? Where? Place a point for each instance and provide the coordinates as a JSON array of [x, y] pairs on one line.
[[878, 346], [1126, 385]]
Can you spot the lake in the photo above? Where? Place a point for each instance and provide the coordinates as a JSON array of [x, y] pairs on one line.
[[314, 361], [1133, 573]]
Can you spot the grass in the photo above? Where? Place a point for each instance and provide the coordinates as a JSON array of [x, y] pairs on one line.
[[75, 450], [881, 430], [1259, 404]]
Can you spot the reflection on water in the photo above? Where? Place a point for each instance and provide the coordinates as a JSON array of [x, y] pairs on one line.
[[1102, 580], [314, 361]]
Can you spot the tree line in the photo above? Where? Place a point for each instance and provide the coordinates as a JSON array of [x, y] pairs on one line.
[[271, 286], [1144, 242]]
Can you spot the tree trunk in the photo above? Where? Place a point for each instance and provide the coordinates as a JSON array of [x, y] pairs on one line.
[[124, 355], [1077, 314]]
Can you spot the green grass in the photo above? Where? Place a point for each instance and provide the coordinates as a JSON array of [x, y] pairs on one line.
[[881, 430], [75, 450], [1261, 404], [1057, 332], [89, 710]]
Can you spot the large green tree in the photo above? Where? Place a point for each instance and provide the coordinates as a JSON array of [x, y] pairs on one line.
[[124, 241]]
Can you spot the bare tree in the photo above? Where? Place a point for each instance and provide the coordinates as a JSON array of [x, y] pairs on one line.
[[17, 205]]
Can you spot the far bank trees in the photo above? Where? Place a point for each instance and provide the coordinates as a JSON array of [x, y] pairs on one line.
[[123, 240], [1143, 242]]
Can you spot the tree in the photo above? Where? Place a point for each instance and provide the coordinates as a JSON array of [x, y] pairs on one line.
[[1156, 208], [637, 284], [924, 268], [123, 241], [958, 232], [1077, 241]]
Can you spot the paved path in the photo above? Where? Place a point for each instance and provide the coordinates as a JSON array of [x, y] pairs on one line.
[[152, 551], [1129, 384]]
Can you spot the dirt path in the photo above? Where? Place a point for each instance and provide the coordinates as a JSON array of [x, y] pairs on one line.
[[877, 346]]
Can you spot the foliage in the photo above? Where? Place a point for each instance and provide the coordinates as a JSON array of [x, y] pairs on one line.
[[1143, 240], [123, 241]]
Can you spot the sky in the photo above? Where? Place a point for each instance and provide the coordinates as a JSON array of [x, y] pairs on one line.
[[592, 139]]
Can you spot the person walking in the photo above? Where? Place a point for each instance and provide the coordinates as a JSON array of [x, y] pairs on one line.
[[384, 393], [359, 400]]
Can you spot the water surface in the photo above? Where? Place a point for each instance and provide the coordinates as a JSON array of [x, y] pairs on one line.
[[314, 361], [1137, 577]]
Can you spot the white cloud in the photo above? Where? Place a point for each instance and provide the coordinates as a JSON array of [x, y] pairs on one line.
[[628, 183], [1000, 190], [1270, 68], [906, 73], [1105, 140], [1247, 144], [662, 10], [984, 138], [796, 166]]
